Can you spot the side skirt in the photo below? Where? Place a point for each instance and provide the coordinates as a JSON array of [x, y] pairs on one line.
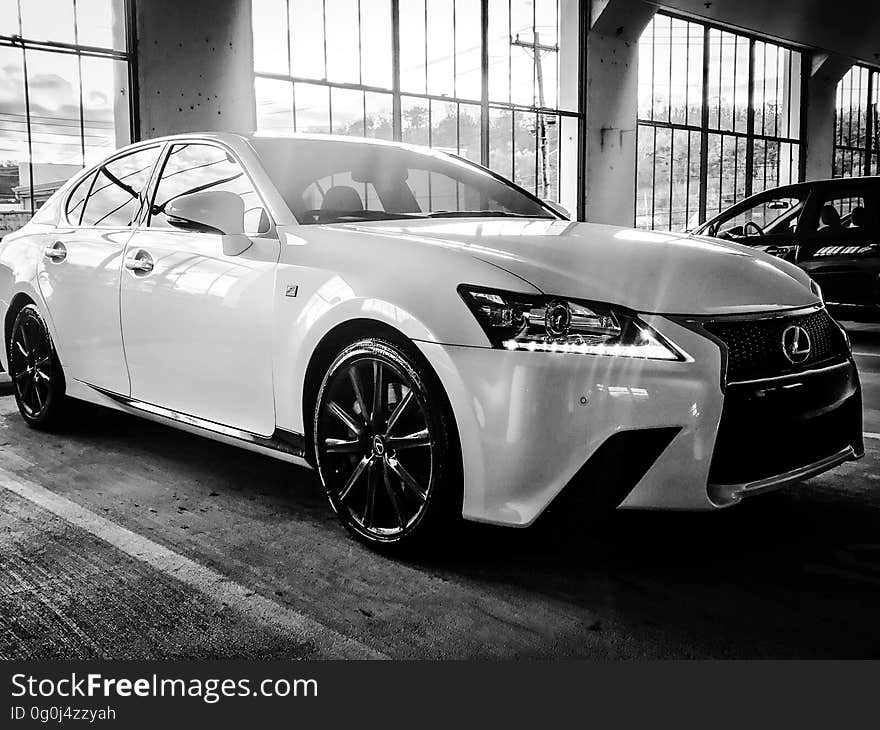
[[282, 444]]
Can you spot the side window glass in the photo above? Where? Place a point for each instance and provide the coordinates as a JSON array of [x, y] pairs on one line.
[[119, 189], [778, 215], [846, 213], [77, 199], [194, 168]]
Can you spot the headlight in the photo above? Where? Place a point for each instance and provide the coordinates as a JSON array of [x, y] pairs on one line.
[[540, 323]]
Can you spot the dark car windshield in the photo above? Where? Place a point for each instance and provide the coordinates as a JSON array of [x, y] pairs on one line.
[[336, 181]]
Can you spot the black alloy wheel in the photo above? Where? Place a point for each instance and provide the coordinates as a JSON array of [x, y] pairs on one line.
[[382, 443], [37, 378]]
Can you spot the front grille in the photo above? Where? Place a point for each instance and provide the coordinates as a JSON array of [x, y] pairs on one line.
[[769, 429], [754, 346]]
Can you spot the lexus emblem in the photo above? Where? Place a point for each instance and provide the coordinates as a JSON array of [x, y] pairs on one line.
[[796, 344]]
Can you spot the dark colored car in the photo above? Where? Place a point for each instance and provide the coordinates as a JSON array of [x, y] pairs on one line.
[[830, 228]]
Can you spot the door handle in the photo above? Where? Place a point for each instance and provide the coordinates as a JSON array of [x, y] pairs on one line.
[[57, 252], [140, 263]]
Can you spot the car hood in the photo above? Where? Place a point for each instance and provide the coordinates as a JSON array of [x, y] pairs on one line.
[[647, 271]]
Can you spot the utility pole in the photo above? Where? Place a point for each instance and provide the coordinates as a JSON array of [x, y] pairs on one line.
[[537, 51]]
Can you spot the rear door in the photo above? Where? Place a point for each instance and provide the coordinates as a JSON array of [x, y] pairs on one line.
[[841, 243], [81, 266], [197, 323]]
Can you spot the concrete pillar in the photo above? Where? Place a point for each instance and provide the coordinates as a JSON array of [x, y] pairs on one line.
[[195, 66], [818, 144], [612, 78]]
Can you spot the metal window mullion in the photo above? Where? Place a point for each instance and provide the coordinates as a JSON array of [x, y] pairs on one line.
[[750, 120], [869, 124], [484, 82], [704, 130], [396, 105], [27, 113]]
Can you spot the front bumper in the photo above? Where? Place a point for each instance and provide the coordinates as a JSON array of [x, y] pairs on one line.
[[530, 423]]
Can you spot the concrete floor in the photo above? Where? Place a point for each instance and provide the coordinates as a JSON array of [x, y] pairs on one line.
[[126, 539]]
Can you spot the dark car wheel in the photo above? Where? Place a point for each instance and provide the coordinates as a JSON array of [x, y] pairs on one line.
[[37, 378], [384, 445]]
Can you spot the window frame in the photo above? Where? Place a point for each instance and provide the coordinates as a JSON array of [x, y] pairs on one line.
[[127, 55], [707, 128], [159, 169]]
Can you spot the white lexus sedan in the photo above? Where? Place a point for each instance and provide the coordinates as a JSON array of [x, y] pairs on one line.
[[436, 341]]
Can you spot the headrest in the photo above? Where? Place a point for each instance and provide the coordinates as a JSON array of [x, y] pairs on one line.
[[342, 197], [829, 216]]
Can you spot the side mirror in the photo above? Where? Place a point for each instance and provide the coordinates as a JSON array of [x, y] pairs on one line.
[[210, 211], [561, 209]]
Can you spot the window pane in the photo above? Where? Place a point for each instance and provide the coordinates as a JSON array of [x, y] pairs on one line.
[[47, 20], [14, 164], [197, 167], [469, 131], [312, 108], [270, 36], [468, 74], [343, 41], [441, 48], [9, 17], [101, 23], [412, 46], [525, 150], [274, 104], [53, 86], [501, 141], [307, 38], [379, 109], [348, 112], [499, 51], [118, 190], [522, 57], [376, 43], [105, 106], [414, 120], [444, 126]]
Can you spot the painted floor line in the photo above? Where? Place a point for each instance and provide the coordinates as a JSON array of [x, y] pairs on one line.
[[866, 354], [870, 435], [215, 586]]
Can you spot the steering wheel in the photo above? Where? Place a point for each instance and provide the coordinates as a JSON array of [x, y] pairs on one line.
[[753, 225]]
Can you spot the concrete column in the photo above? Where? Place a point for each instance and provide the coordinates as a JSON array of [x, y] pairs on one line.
[[612, 78], [818, 144], [195, 66]]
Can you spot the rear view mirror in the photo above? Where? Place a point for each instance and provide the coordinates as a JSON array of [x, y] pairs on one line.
[[561, 209], [210, 211], [778, 205]]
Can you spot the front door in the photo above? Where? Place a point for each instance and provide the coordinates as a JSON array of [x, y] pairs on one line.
[[81, 264], [196, 322]]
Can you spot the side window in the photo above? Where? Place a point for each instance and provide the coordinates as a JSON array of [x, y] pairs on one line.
[[777, 215], [119, 189], [76, 200], [848, 212], [193, 168]]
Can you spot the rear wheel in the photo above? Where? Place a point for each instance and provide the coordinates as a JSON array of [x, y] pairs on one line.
[[384, 445], [37, 378]]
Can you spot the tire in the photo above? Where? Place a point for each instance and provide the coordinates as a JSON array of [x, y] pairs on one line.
[[389, 457], [37, 378]]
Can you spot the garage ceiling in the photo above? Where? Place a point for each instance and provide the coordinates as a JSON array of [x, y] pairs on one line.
[[846, 27]]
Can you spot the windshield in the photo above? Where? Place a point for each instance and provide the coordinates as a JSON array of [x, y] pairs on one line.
[[335, 181]]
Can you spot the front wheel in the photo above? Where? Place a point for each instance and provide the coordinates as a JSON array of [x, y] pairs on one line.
[[384, 445], [35, 371]]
